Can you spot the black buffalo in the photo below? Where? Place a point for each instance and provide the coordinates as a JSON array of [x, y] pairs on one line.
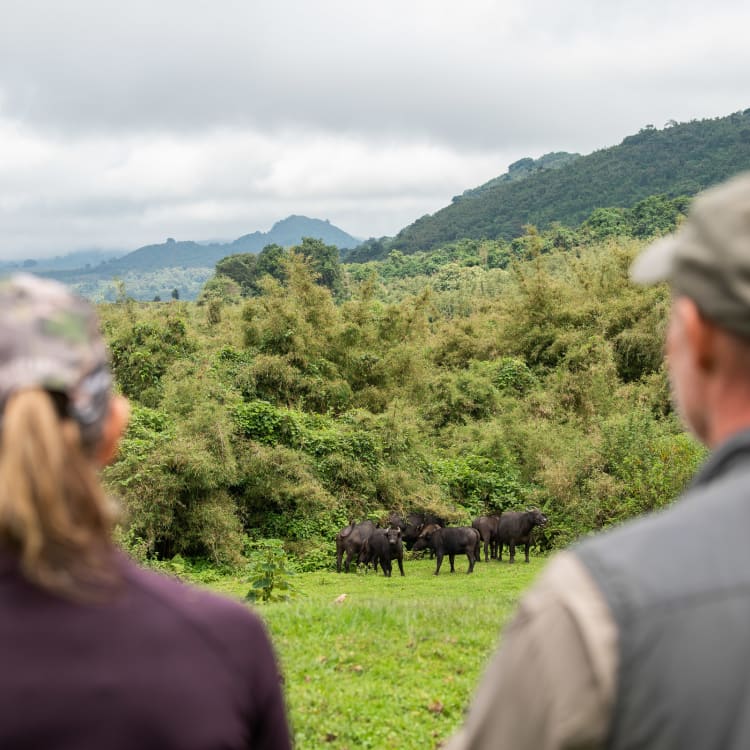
[[426, 533], [488, 526], [350, 540], [382, 546], [451, 541], [412, 527], [515, 528]]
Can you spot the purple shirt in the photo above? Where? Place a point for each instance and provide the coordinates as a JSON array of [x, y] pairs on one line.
[[160, 665]]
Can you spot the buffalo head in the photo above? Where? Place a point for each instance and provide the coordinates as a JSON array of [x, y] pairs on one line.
[[393, 535]]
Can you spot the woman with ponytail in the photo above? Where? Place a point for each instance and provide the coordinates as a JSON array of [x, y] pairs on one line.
[[94, 651]]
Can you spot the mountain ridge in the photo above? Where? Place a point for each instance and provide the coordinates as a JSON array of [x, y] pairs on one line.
[[191, 254], [679, 159]]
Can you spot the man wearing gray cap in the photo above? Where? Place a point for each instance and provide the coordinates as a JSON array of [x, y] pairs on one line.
[[640, 637]]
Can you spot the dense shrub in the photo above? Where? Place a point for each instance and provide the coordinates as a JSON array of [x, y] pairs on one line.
[[287, 417]]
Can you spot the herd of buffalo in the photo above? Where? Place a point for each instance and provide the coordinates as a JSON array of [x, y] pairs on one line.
[[368, 544]]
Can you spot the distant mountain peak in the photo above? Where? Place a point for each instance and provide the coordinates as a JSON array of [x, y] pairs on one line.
[[300, 220], [291, 230], [189, 254]]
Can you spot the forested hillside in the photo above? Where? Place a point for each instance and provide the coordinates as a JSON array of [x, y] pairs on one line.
[[486, 376], [681, 159], [158, 270]]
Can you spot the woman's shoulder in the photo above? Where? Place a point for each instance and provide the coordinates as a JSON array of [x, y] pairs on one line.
[[164, 598]]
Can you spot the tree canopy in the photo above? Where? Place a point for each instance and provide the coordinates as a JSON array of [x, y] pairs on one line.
[[248, 270]]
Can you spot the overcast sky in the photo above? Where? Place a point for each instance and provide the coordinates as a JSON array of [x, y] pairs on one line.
[[124, 123]]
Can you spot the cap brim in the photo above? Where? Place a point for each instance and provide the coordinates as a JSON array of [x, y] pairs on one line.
[[656, 262]]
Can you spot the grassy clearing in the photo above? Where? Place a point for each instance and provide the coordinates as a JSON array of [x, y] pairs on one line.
[[394, 664]]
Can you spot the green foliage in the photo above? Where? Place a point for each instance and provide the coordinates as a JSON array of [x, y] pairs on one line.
[[241, 269], [269, 579], [458, 398], [461, 253], [214, 311], [314, 553], [141, 354], [324, 260], [137, 477], [196, 571], [248, 270], [221, 289], [278, 492], [655, 215], [144, 284], [287, 416], [513, 374], [679, 160], [651, 465], [268, 424], [480, 484]]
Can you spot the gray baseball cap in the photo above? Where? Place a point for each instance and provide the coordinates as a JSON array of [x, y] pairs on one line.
[[708, 258], [50, 339]]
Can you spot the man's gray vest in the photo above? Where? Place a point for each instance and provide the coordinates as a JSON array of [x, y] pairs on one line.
[[678, 585]]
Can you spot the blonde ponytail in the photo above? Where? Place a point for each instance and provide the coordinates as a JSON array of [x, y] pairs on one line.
[[54, 514]]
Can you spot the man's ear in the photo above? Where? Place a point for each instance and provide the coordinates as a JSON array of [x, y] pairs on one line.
[[700, 333], [115, 424]]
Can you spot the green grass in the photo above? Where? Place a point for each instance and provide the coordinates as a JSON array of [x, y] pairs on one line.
[[395, 664]]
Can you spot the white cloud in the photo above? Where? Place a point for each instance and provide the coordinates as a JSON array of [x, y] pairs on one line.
[[129, 190], [124, 123]]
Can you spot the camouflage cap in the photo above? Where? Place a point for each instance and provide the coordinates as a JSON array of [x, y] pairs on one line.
[[708, 258], [50, 339]]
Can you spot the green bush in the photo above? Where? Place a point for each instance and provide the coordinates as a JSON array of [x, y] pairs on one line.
[[315, 553], [269, 576], [512, 374], [542, 384], [268, 424], [479, 484]]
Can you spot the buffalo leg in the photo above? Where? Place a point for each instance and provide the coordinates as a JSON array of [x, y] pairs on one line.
[[339, 558], [452, 558], [439, 558], [528, 544], [500, 551], [472, 560], [400, 562], [512, 548], [486, 555]]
